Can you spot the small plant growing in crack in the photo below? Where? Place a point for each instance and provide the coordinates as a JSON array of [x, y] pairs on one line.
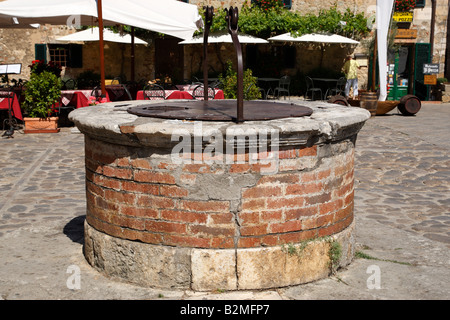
[[362, 255], [334, 251]]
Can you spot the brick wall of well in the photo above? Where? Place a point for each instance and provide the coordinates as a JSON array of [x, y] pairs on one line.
[[141, 195]]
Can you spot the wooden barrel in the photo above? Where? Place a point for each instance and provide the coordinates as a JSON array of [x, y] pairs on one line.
[[369, 101], [338, 99], [409, 105]]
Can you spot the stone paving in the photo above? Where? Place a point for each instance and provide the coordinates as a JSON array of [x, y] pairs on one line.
[[402, 212], [403, 172]]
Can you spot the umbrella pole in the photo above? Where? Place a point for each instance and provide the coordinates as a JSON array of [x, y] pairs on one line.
[[374, 64], [102, 52], [132, 54], [209, 15]]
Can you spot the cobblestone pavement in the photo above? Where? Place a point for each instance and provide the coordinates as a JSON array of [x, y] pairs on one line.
[[403, 172], [402, 210]]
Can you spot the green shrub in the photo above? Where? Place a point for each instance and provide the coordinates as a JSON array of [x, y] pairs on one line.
[[41, 92], [229, 81]]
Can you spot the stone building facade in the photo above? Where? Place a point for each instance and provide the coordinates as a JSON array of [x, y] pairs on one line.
[[309, 58], [18, 45]]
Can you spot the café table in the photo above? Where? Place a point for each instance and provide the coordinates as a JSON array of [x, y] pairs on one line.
[[267, 84], [77, 98], [117, 92], [327, 83], [179, 94], [8, 97]]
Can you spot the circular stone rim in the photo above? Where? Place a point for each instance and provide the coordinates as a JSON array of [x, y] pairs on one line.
[[220, 110]]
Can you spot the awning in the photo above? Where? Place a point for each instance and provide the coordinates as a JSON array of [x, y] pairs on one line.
[[222, 37], [170, 17], [92, 34], [314, 37]]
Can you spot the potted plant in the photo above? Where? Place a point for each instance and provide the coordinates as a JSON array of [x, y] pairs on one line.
[[42, 92]]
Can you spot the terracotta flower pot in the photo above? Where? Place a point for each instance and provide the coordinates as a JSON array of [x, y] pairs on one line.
[[41, 125]]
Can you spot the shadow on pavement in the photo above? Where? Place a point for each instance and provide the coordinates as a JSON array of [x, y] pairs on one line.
[[74, 230]]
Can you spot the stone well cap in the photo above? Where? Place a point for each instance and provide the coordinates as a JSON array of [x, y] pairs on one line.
[[112, 122]]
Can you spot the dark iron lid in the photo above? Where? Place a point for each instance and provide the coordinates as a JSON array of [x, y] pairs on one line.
[[220, 110]]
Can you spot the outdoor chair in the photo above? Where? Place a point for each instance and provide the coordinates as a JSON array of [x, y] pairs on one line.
[[283, 87], [216, 84], [261, 90], [69, 84], [310, 88], [154, 92], [195, 84], [96, 92], [170, 86], [199, 91], [127, 92], [339, 89]]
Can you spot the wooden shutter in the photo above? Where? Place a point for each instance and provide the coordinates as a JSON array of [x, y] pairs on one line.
[[40, 52], [420, 3]]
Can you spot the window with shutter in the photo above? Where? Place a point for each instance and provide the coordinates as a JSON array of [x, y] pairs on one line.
[[420, 3], [40, 52]]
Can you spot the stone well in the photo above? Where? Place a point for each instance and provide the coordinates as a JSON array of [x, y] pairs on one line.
[[165, 211]]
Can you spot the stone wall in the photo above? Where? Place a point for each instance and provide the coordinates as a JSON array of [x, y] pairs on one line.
[[17, 45], [117, 61], [421, 22]]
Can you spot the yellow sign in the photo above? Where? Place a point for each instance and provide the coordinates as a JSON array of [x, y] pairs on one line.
[[406, 34], [430, 79], [403, 16]]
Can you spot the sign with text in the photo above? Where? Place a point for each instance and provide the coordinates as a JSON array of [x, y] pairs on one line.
[[406, 34], [14, 68], [430, 68], [403, 16], [430, 79]]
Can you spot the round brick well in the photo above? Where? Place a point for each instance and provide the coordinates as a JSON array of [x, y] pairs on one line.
[[193, 205]]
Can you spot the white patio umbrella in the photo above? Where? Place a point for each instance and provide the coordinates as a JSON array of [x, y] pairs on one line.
[[314, 37], [222, 37], [170, 17], [319, 38], [92, 34]]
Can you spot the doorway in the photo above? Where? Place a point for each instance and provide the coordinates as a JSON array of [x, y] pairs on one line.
[[169, 59]]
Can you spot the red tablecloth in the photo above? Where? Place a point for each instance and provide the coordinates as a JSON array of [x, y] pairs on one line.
[[116, 92], [4, 103], [178, 94], [77, 98], [170, 94]]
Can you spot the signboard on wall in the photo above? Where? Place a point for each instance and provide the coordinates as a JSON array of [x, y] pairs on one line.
[[406, 34], [430, 79], [430, 68], [403, 16]]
